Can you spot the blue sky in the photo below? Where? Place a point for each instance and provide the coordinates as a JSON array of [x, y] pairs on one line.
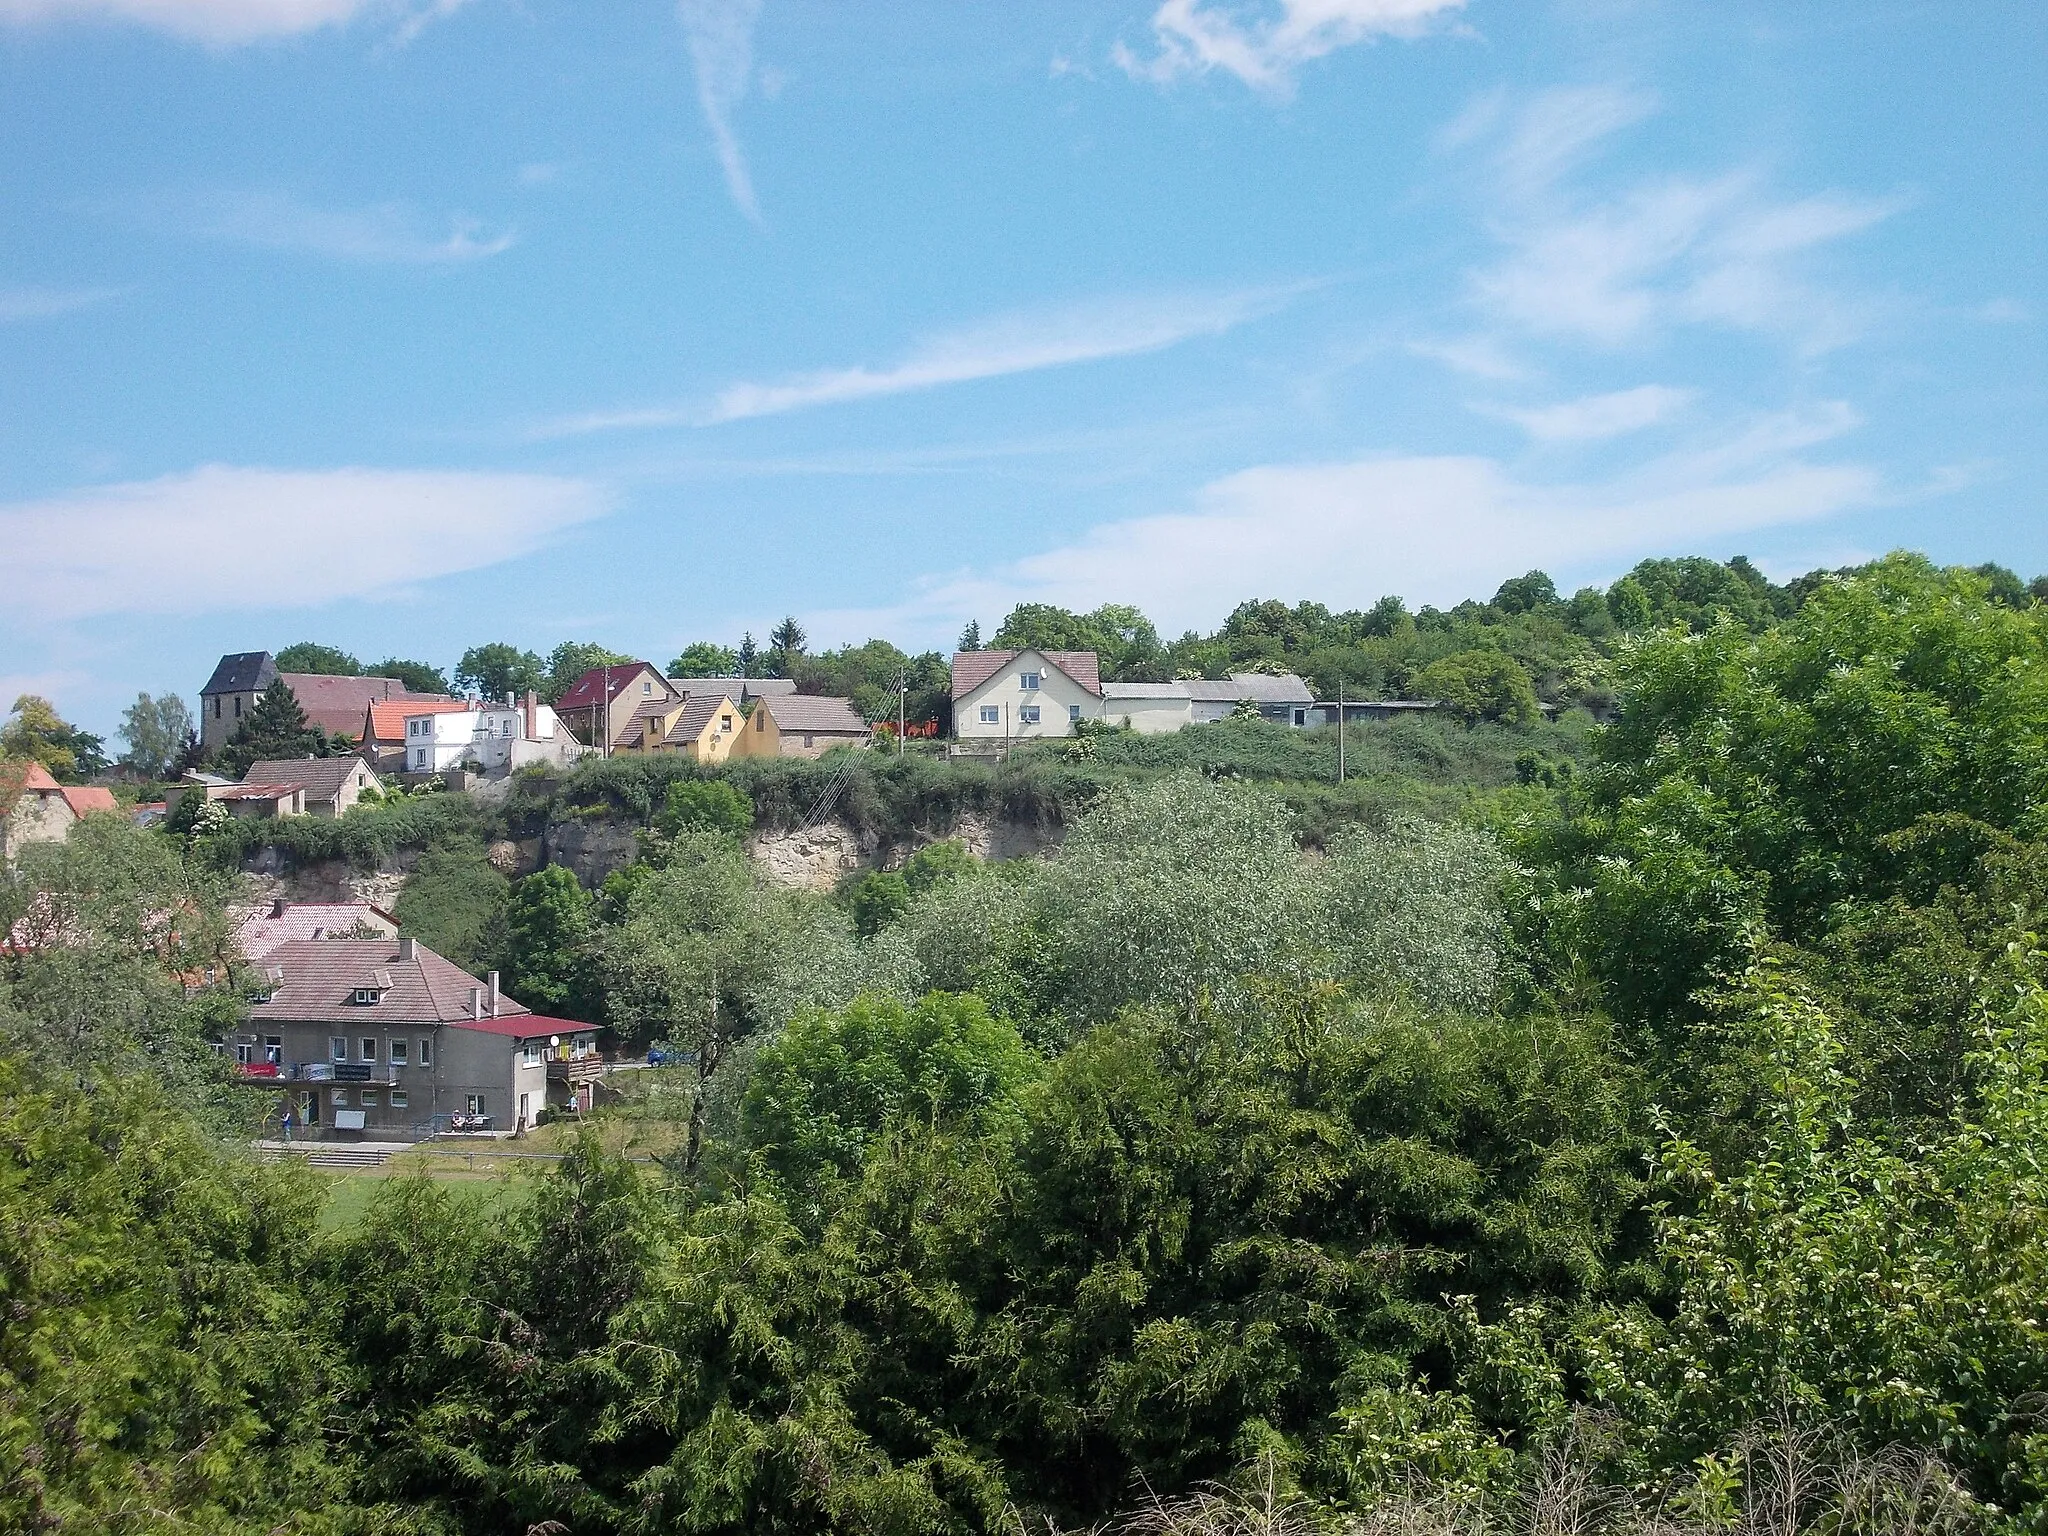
[[410, 324]]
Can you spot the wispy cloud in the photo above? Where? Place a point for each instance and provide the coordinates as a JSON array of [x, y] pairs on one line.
[[1433, 529], [43, 303], [1483, 357], [155, 546], [1615, 267], [1194, 38], [721, 34], [380, 232], [1597, 417], [231, 23], [1008, 344]]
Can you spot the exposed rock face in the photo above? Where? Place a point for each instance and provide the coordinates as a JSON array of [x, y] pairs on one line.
[[589, 847], [990, 839], [328, 880], [815, 860]]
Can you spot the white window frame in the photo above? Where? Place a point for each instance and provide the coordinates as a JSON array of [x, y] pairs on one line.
[[475, 1103], [369, 1098], [531, 1054], [426, 1051], [398, 1052], [990, 715], [337, 1047], [1030, 682], [273, 1049], [1073, 712], [400, 1099], [1027, 714], [369, 1048]]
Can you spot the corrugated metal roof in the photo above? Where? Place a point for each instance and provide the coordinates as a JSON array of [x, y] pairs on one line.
[[1261, 687]]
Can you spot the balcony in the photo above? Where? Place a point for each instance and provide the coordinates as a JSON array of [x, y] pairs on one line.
[[568, 1066]]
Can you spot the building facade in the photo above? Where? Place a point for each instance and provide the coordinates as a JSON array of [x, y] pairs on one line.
[[1023, 695]]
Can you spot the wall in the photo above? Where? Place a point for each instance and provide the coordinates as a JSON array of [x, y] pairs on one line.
[[1148, 717], [1058, 695]]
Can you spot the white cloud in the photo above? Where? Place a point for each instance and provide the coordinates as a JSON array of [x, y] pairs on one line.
[[42, 303], [228, 23], [721, 34], [1008, 344], [1194, 38], [1483, 357], [224, 537], [1614, 268], [382, 232], [1596, 417], [1432, 529]]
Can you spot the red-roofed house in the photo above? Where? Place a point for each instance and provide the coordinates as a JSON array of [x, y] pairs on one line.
[[42, 810], [335, 704], [384, 735], [386, 1038], [609, 705], [1023, 695]]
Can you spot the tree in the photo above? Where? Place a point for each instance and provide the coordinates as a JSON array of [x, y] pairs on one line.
[[937, 864], [705, 805], [879, 898], [1122, 638], [156, 731], [454, 903], [706, 658], [1526, 594], [970, 637], [569, 661], [549, 963], [276, 728], [35, 730], [417, 676], [308, 656], [1479, 685], [786, 643], [492, 671], [746, 655]]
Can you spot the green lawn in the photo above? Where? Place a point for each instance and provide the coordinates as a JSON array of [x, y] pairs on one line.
[[349, 1194]]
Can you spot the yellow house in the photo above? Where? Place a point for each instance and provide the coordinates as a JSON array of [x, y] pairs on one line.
[[800, 725], [704, 726]]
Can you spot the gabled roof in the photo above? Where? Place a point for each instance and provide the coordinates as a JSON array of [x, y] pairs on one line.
[[387, 717], [283, 922], [338, 704], [38, 778], [84, 799], [1260, 687], [698, 711], [735, 687], [973, 668], [241, 672], [815, 712], [594, 686], [320, 977], [322, 777]]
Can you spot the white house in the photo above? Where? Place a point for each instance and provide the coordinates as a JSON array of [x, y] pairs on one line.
[[1153, 709], [1023, 695], [493, 739]]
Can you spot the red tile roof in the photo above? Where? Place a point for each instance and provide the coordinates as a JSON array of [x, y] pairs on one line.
[[592, 687], [526, 1026], [973, 668], [84, 799], [265, 928], [38, 777], [322, 975], [338, 704], [387, 719]]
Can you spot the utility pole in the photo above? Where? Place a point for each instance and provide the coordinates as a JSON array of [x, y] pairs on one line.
[[1340, 728], [902, 708]]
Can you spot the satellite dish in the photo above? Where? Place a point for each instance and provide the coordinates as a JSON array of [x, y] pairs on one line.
[[554, 1039]]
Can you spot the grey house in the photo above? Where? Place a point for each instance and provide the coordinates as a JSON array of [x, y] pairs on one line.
[[385, 1038]]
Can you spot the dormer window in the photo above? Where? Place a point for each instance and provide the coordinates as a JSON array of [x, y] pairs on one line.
[[368, 995]]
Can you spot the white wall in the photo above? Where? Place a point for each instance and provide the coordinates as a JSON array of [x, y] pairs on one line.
[[1055, 699], [1147, 716]]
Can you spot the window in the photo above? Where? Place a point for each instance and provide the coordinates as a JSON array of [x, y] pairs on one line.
[[1029, 680], [724, 724], [244, 1054], [273, 1048], [341, 1098], [1301, 717], [398, 1053], [337, 1048], [990, 714], [216, 706], [399, 1098], [369, 1099], [1073, 711], [426, 1053], [532, 1053], [367, 995], [761, 721], [1027, 714], [369, 1049], [238, 709], [646, 686], [475, 1102]]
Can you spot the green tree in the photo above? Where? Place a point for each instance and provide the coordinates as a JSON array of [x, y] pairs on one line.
[[1123, 639], [157, 731], [706, 658], [276, 728], [829, 1084], [454, 902], [936, 864], [705, 805], [568, 662], [1479, 685], [417, 676], [879, 898], [970, 637], [492, 671], [550, 964], [1526, 594], [35, 730], [308, 656], [748, 658], [786, 643]]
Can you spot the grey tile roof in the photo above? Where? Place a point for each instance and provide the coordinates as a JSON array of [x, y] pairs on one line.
[[1260, 687], [320, 977], [815, 712], [241, 672], [697, 712], [735, 687], [322, 776]]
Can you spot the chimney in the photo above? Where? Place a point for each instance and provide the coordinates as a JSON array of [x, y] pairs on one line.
[[494, 994], [511, 699], [277, 907], [476, 1002], [408, 949], [532, 716]]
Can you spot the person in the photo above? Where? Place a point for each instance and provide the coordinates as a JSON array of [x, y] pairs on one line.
[[286, 1119]]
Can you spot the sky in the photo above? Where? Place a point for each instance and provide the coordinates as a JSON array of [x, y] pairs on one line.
[[408, 325]]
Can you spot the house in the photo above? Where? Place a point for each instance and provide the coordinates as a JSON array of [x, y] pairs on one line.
[[1023, 695], [741, 690], [384, 743], [44, 811], [1155, 708], [610, 705], [334, 704], [262, 802], [491, 739], [385, 1038], [800, 725], [259, 930], [324, 786], [703, 726]]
